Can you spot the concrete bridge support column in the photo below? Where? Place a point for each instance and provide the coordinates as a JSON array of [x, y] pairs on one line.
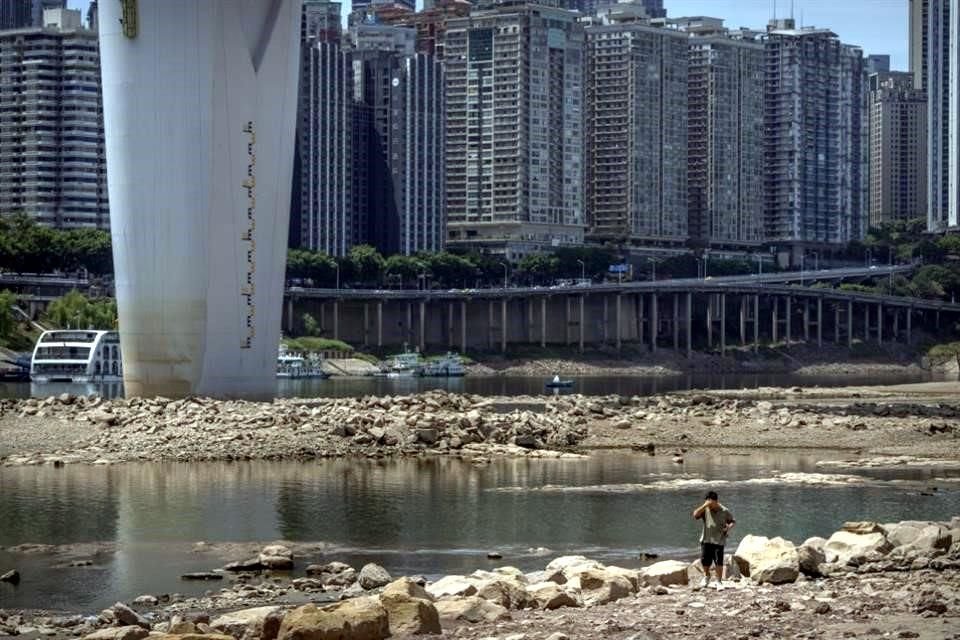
[[896, 323], [819, 322], [423, 326], [503, 325], [849, 324], [450, 326], [531, 323], [866, 322], [463, 326], [543, 321], [756, 323], [408, 328], [606, 320], [567, 320], [723, 324], [689, 323], [743, 320], [289, 314], [806, 320], [788, 334], [490, 325], [336, 320], [776, 321], [879, 323], [379, 324], [366, 324], [323, 313], [710, 299], [676, 322], [654, 326], [909, 324], [581, 322], [619, 310], [640, 319]]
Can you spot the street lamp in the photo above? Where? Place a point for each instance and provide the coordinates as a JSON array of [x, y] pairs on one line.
[[869, 257], [338, 274], [583, 270], [759, 264], [653, 268], [504, 265], [816, 260]]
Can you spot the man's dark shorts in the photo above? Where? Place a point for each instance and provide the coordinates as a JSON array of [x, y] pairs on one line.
[[711, 554]]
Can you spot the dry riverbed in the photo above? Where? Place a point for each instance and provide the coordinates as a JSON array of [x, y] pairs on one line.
[[907, 420]]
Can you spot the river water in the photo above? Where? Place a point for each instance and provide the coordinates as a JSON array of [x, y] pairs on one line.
[[513, 385], [428, 516]]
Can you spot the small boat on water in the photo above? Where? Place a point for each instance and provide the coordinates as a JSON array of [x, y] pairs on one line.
[[557, 383], [294, 365], [402, 365], [448, 366]]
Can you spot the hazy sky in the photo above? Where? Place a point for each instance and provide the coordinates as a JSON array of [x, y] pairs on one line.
[[879, 26]]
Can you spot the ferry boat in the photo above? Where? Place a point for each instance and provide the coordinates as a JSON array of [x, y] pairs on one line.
[[294, 365], [448, 366], [77, 356], [402, 365]]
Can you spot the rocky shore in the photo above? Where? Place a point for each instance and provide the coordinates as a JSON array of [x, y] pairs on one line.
[[68, 429], [899, 580]]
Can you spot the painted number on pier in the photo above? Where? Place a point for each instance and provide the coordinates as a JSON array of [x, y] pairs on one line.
[[248, 243]]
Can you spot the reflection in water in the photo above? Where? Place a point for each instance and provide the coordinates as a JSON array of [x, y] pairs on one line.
[[505, 385], [414, 516]]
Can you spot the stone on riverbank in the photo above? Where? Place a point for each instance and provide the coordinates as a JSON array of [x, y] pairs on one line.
[[276, 557], [358, 619], [666, 573], [410, 615], [128, 632], [407, 587], [810, 556], [767, 560], [843, 547], [550, 595], [447, 586], [373, 576], [258, 623], [127, 616], [599, 586], [471, 609]]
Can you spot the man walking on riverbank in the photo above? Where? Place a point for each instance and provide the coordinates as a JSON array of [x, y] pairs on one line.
[[717, 522]]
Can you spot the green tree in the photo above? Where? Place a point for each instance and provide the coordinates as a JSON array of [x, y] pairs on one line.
[[310, 325], [8, 322], [449, 269], [405, 268], [366, 264], [539, 268], [76, 311]]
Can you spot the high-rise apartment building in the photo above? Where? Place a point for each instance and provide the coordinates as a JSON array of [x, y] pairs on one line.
[[52, 159], [918, 16], [370, 137], [399, 139], [325, 134], [514, 141], [20, 14], [898, 152], [725, 145], [816, 138], [937, 51], [636, 129], [431, 23]]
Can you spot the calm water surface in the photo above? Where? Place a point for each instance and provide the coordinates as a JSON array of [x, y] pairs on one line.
[[509, 385], [416, 516]]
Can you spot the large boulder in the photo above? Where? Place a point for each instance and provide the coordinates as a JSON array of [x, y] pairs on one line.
[[767, 560], [550, 595], [810, 556], [471, 609], [129, 632], [452, 586], [357, 619], [862, 528], [259, 623], [900, 534], [406, 586], [410, 615], [506, 592], [844, 547], [127, 616], [277, 557], [597, 586], [931, 541], [571, 566], [373, 576], [666, 573]]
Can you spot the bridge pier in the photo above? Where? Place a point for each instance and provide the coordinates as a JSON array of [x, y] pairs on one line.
[[788, 335], [366, 325], [463, 326], [775, 321], [543, 322], [490, 324], [676, 322], [689, 324], [866, 322], [909, 324], [710, 321], [756, 323], [879, 323], [640, 319], [423, 326], [619, 322], [380, 324], [819, 322], [289, 314], [896, 323], [581, 322], [503, 325], [654, 326], [336, 320], [567, 321]]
